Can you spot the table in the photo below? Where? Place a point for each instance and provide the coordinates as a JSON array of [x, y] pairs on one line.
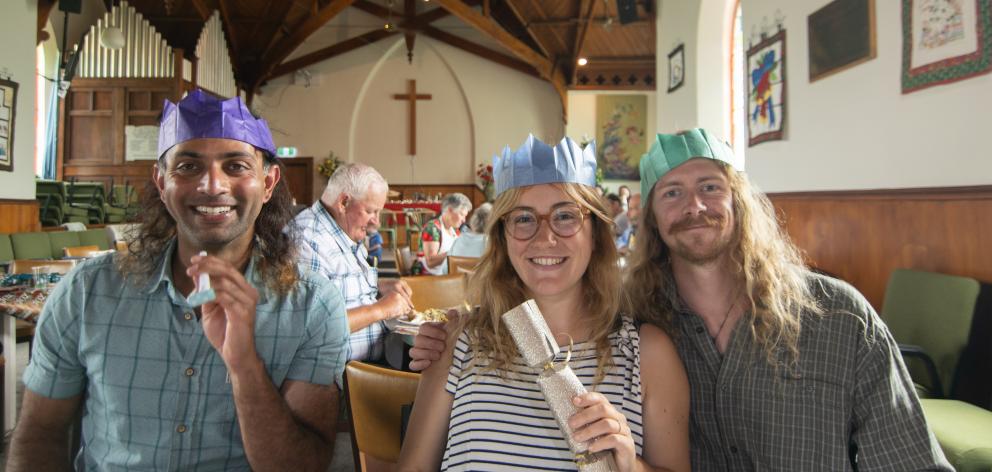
[[400, 207]]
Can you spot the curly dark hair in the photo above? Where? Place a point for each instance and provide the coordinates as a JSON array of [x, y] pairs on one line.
[[276, 248]]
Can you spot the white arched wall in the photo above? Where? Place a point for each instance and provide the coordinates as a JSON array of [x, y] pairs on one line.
[[701, 25], [499, 106], [444, 140]]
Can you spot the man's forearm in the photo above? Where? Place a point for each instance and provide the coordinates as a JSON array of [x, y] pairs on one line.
[[273, 438], [32, 450], [361, 317]]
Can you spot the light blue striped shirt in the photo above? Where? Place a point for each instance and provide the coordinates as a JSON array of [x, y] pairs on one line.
[[328, 251], [156, 392]]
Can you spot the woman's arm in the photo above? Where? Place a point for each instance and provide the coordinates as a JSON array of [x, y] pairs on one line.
[[427, 432], [665, 401], [433, 254]]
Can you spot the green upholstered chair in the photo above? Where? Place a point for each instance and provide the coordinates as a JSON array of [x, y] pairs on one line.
[[6, 249], [88, 197], [930, 316], [387, 227], [964, 432], [95, 237], [33, 245], [59, 240]]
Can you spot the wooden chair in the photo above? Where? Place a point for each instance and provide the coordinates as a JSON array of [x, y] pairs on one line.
[[436, 291], [462, 265], [80, 251], [387, 227], [404, 260], [375, 397], [24, 266]]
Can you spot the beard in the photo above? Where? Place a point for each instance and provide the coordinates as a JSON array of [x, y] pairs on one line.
[[697, 250]]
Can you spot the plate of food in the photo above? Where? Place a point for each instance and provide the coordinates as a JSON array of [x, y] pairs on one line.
[[410, 323]]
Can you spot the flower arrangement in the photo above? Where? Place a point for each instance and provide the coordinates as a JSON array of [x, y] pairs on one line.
[[329, 165], [485, 174]]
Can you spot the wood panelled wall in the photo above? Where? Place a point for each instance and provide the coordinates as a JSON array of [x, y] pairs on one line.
[[19, 216], [94, 114], [471, 191], [862, 236]]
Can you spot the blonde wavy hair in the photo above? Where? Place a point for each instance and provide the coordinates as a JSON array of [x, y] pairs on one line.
[[770, 265], [496, 288]]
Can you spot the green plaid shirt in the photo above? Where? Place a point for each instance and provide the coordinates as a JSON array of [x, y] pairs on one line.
[[157, 396], [851, 387]]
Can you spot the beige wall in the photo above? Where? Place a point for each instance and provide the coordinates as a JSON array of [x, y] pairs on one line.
[[852, 130], [17, 35], [476, 108]]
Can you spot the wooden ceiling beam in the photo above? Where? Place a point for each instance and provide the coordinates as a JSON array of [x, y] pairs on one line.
[[44, 10], [520, 18], [281, 27], [287, 45], [202, 9], [330, 51], [481, 51], [374, 9], [232, 40], [585, 15], [489, 27], [534, 4], [557, 22]]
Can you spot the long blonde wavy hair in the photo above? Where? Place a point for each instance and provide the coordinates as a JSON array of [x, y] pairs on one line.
[[496, 288], [770, 265]]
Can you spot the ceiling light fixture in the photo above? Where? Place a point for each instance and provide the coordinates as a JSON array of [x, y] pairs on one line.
[[582, 61]]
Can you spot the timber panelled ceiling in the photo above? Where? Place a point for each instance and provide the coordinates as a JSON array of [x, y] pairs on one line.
[[544, 38]]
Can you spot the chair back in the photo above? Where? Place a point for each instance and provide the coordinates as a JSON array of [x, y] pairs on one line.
[[932, 311], [404, 260], [462, 265], [81, 251], [24, 266], [375, 397], [437, 291]]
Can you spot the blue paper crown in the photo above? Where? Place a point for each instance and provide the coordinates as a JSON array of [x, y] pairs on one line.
[[200, 115], [538, 163]]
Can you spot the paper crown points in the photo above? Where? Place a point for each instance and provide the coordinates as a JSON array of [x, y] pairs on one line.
[[200, 115], [536, 163], [672, 150]]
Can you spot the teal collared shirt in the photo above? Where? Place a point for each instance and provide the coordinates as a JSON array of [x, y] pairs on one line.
[[157, 395]]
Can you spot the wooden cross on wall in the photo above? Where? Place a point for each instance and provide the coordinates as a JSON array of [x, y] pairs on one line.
[[411, 97]]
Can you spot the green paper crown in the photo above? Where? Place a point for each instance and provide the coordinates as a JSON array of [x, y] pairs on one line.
[[672, 150]]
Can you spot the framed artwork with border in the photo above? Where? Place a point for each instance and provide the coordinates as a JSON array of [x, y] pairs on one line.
[[8, 105], [841, 35], [766, 89], [944, 41], [676, 68]]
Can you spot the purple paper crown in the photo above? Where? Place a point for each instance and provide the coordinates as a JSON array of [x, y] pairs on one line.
[[200, 115]]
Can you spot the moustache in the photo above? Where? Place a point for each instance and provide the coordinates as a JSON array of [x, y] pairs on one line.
[[704, 220]]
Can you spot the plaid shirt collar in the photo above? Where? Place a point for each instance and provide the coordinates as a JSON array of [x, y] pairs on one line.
[[331, 226]]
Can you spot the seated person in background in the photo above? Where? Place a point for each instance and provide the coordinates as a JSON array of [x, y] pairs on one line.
[[332, 232], [614, 205], [473, 243], [374, 245], [479, 408], [245, 381], [627, 225], [624, 193], [440, 233]]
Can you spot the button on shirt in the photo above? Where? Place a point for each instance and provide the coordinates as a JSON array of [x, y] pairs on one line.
[[850, 387], [157, 394], [326, 249]]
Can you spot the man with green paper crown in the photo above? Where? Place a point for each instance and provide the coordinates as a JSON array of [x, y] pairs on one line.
[[788, 370]]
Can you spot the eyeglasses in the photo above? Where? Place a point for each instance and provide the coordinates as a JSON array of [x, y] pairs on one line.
[[564, 220]]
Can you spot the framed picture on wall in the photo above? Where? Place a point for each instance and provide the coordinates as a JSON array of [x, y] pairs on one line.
[[8, 104], [766, 89], [676, 68], [841, 36], [621, 124], [944, 41]]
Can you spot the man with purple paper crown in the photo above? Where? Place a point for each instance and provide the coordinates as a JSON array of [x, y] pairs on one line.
[[245, 381]]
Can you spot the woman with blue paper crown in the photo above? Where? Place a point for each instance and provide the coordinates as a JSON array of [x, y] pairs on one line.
[[479, 408]]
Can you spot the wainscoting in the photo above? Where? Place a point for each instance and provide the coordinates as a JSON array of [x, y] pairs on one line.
[[18, 216], [862, 236]]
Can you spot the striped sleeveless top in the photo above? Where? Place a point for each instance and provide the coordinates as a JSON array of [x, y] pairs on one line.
[[505, 423]]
